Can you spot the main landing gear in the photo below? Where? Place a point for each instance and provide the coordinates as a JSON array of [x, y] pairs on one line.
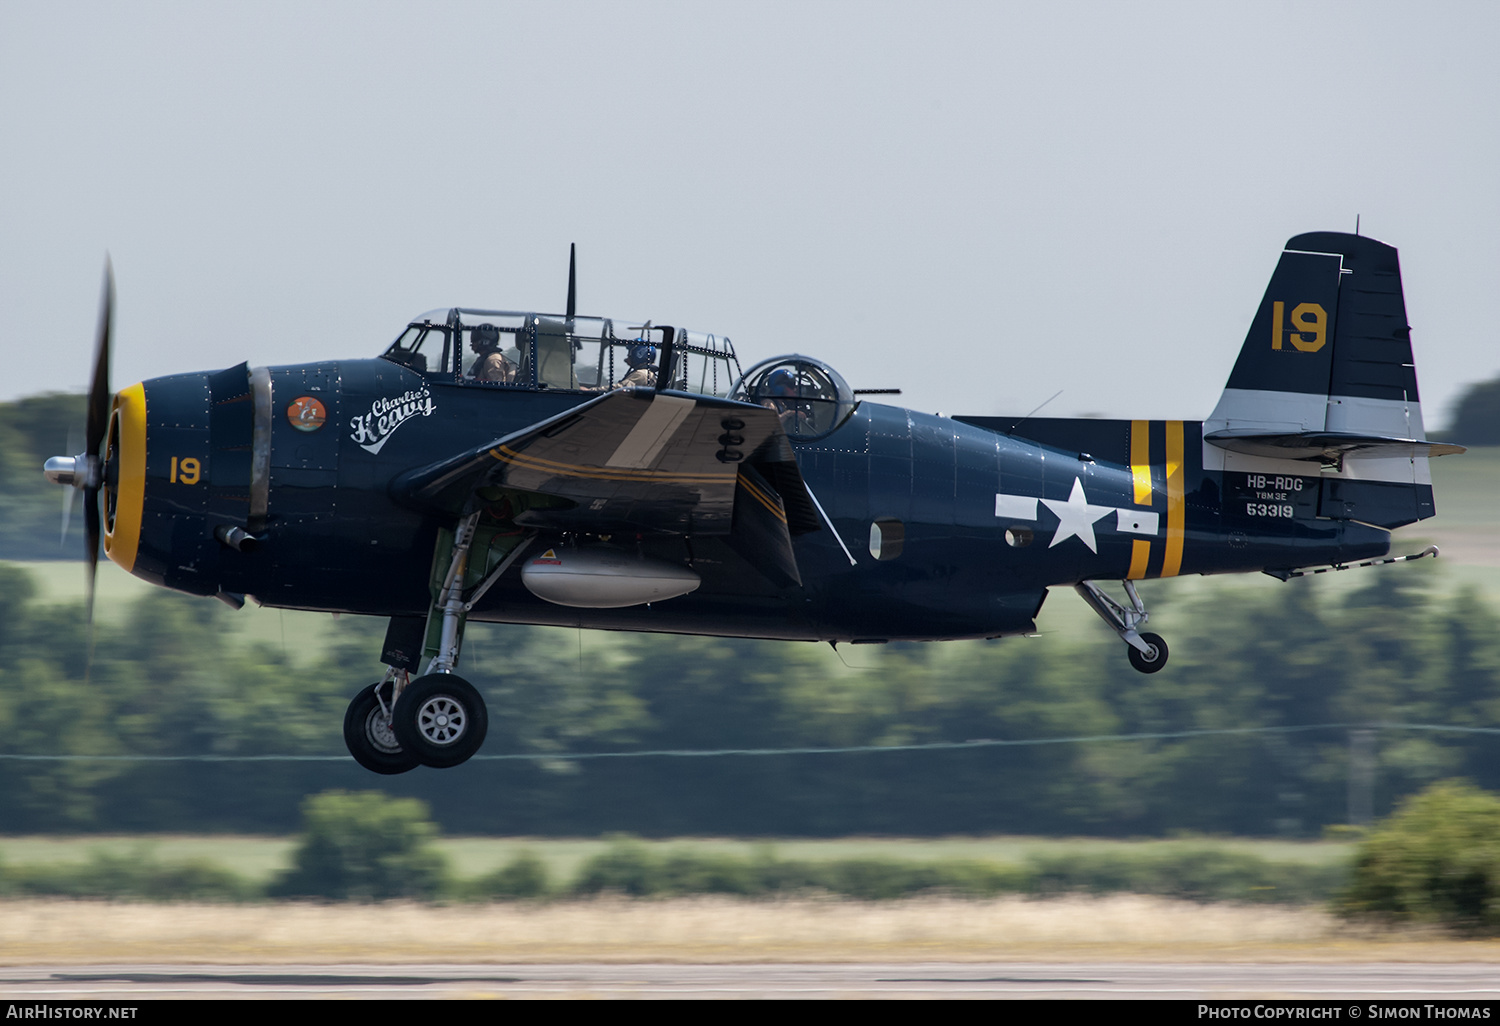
[[1147, 651], [438, 719]]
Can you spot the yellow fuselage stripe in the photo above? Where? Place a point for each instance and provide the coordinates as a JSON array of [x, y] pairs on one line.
[[122, 539], [1140, 460], [1176, 511], [1140, 478]]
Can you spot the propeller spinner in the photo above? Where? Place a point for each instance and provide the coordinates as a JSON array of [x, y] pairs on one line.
[[85, 471]]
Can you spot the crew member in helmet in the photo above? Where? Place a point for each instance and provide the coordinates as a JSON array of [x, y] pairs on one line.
[[780, 393], [641, 374], [491, 364]]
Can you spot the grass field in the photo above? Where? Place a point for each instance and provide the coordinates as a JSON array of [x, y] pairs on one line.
[[707, 930], [260, 858]]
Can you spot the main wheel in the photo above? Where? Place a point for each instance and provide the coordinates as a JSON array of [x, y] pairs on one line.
[[440, 719], [1149, 664], [368, 734]]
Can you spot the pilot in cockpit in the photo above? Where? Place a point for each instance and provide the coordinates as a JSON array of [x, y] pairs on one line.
[[641, 374], [491, 364]]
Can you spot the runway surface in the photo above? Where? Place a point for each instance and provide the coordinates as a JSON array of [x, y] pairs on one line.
[[1474, 982]]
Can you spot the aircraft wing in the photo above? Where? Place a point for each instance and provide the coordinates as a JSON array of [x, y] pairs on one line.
[[636, 460]]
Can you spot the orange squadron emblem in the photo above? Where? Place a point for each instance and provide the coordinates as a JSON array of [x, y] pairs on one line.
[[306, 413]]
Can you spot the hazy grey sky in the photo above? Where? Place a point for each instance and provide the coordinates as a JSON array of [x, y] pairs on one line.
[[978, 202]]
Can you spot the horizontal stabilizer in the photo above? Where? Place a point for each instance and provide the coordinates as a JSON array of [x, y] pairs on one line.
[[1328, 446]]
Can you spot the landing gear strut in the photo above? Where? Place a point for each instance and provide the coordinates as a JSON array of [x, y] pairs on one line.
[[440, 717], [437, 719], [1148, 652]]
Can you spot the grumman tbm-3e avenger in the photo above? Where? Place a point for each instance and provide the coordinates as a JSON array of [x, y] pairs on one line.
[[623, 475]]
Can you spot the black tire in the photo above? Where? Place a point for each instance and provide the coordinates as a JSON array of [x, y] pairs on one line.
[[1145, 663], [441, 720], [370, 739]]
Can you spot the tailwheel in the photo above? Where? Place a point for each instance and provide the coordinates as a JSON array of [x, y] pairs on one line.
[[1149, 662], [367, 732], [440, 719]]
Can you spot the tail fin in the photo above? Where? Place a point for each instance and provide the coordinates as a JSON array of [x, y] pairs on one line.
[[1326, 374]]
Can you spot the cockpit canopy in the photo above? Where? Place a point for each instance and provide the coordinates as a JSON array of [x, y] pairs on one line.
[[811, 397], [502, 348]]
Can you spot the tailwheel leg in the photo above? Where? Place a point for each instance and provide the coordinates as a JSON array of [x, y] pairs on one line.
[[1147, 651], [367, 728]]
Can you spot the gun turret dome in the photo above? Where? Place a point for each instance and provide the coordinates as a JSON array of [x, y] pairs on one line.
[[812, 398]]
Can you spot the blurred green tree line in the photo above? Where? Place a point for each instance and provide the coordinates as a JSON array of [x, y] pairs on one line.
[[1476, 415], [177, 678]]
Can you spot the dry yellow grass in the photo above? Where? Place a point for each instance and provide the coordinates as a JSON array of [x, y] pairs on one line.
[[701, 930]]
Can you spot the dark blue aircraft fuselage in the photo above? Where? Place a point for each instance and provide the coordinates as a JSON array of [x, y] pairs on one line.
[[975, 557]]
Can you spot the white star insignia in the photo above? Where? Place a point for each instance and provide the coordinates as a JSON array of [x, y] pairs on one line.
[[1076, 517]]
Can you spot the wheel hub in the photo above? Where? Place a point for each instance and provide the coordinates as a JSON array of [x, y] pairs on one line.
[[378, 730], [441, 720]]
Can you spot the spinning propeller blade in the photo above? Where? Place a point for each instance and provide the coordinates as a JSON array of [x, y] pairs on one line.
[[68, 496], [98, 424]]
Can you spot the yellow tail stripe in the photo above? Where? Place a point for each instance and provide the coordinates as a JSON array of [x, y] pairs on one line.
[[1140, 460], [1176, 513], [1140, 555], [122, 538]]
